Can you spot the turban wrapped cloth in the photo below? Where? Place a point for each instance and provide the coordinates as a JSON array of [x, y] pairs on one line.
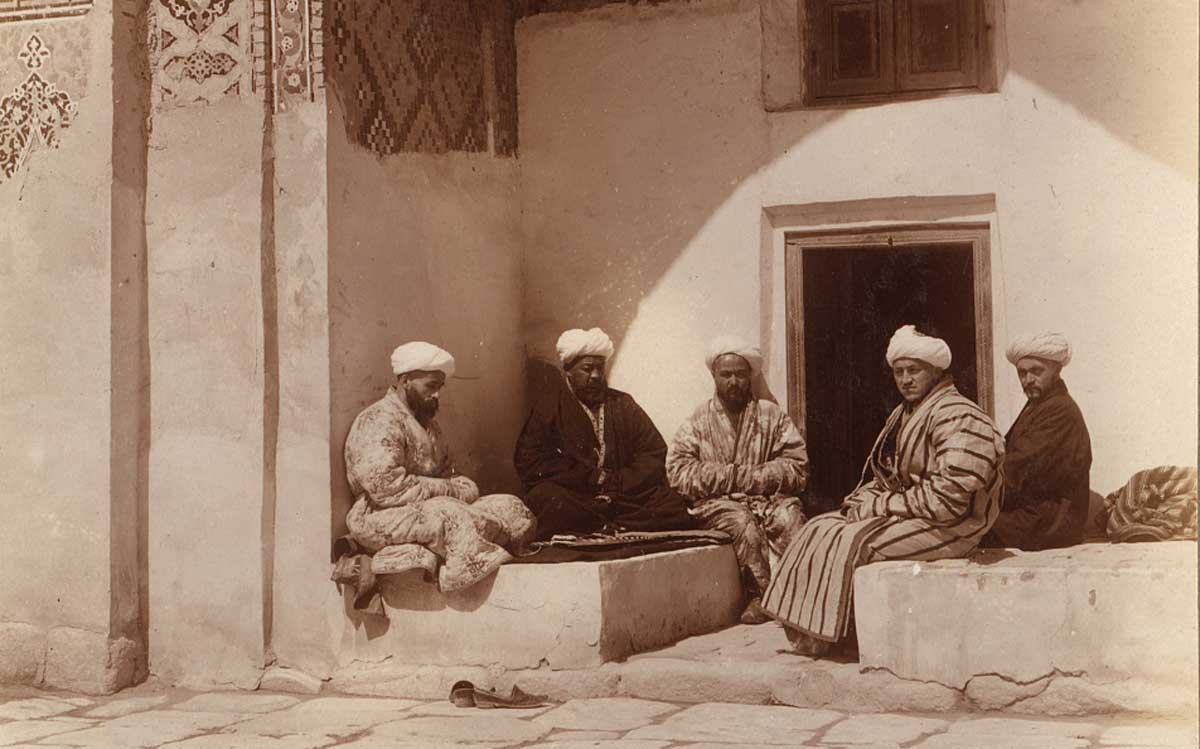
[[576, 343], [907, 343], [419, 356], [1049, 346], [728, 344]]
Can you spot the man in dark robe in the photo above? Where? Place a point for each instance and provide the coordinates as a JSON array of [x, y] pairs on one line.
[[1048, 454], [589, 456]]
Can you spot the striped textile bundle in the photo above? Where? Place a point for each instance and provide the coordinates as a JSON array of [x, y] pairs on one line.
[[1157, 504]]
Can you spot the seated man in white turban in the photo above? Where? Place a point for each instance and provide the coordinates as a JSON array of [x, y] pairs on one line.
[[742, 465], [589, 456], [406, 489], [930, 489], [1048, 454]]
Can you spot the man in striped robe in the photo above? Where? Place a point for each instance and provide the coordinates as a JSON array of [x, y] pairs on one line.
[[742, 465], [931, 489]]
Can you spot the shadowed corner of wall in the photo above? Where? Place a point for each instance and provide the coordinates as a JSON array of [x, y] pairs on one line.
[[542, 378]]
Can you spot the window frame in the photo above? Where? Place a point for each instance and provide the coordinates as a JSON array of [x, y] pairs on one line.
[[989, 23]]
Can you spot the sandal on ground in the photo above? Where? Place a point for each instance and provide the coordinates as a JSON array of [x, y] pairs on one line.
[[465, 694]]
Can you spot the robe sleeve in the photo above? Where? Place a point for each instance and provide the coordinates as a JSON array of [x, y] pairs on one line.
[[966, 450], [787, 470], [540, 458], [1047, 458], [645, 469], [688, 474], [376, 453]]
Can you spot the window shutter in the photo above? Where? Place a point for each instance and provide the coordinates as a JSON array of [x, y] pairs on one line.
[[851, 49], [937, 43]]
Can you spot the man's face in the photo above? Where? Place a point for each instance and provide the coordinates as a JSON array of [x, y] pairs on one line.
[[915, 378], [731, 375], [422, 391], [586, 375], [1036, 376]]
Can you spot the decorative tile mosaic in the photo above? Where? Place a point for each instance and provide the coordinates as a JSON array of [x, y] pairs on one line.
[[504, 115], [35, 10], [409, 74], [35, 113], [200, 50]]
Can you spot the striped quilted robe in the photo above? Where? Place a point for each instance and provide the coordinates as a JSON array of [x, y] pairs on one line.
[[931, 489]]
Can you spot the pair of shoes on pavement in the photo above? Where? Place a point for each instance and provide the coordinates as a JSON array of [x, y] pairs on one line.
[[465, 694]]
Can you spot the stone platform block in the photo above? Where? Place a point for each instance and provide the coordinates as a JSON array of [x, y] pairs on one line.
[[1104, 612], [559, 616]]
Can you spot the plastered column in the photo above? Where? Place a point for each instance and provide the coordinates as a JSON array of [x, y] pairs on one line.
[[307, 611], [204, 231]]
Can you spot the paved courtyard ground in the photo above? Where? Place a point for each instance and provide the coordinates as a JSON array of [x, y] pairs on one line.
[[150, 717]]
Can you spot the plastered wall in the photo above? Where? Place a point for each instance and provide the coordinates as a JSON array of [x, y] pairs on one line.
[[648, 161], [60, 615], [426, 247]]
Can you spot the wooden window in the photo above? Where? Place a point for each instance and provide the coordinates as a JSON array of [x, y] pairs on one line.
[[866, 51]]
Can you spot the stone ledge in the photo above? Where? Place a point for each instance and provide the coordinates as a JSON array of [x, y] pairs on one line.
[[66, 658], [1104, 613], [561, 616], [732, 672]]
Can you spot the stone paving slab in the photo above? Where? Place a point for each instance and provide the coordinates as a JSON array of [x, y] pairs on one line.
[[33, 708], [32, 730], [149, 729], [119, 707], [500, 729], [250, 741], [621, 744], [605, 713], [319, 722], [873, 729], [1155, 735], [236, 702], [756, 724]]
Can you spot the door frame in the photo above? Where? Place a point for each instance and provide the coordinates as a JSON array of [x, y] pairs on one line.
[[976, 234]]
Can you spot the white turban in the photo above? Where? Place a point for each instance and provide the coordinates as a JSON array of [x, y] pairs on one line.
[[907, 343], [729, 344], [576, 343], [1049, 346], [421, 356]]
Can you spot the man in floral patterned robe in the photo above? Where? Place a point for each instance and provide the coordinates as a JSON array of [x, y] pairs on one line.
[[406, 489]]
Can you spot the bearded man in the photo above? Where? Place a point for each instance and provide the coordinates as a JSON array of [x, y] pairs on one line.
[[589, 456], [931, 489], [742, 464], [406, 489], [1048, 453]]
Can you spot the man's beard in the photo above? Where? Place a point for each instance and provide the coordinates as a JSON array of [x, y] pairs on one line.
[[734, 396], [423, 408]]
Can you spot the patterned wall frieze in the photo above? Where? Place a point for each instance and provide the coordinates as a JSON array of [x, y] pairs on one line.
[[200, 50], [36, 112], [409, 74]]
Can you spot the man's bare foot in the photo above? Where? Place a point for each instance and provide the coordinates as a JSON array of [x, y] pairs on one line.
[[754, 613], [803, 644]]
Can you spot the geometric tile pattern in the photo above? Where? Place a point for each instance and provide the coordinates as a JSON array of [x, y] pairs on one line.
[[410, 73], [504, 118], [33, 10], [34, 114], [199, 50]]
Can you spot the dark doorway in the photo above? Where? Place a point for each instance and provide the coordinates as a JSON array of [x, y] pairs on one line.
[[854, 298]]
